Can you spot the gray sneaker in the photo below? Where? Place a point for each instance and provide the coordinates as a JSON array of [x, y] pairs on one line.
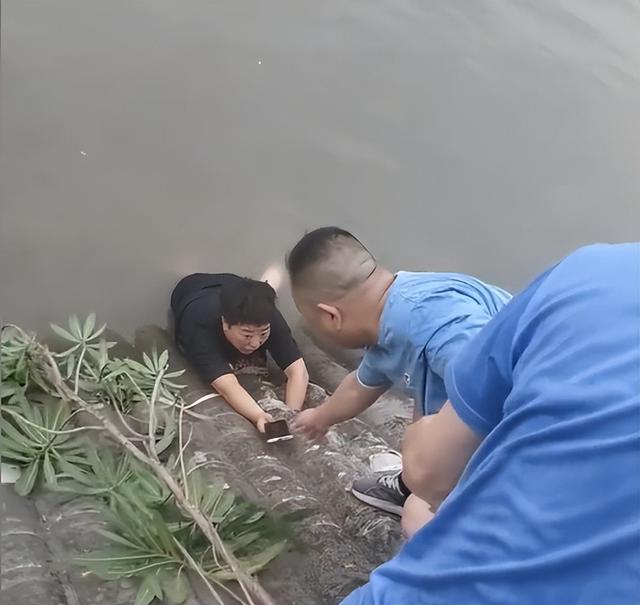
[[383, 492]]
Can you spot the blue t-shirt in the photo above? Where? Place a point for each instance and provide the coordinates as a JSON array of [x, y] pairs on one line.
[[426, 320], [548, 509]]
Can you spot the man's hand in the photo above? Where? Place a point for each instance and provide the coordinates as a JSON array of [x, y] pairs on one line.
[[310, 424], [262, 419], [349, 400], [238, 398]]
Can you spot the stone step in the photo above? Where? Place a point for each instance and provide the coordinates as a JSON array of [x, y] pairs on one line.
[[27, 575]]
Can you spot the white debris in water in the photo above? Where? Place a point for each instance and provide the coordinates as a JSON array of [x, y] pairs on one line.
[[200, 457], [67, 514], [313, 448], [372, 525], [323, 523], [272, 478], [83, 153], [22, 533], [259, 61], [300, 497], [27, 566]]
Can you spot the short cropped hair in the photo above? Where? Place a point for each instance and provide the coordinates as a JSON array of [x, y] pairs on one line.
[[329, 262]]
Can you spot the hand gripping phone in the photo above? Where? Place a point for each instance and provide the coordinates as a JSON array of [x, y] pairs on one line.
[[277, 431]]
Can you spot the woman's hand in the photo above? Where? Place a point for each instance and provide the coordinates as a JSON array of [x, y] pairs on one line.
[[262, 419]]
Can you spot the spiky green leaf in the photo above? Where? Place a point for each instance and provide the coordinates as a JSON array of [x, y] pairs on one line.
[[75, 327], [89, 324], [114, 537], [169, 433], [175, 588], [49, 471], [9, 388], [149, 590], [71, 365], [25, 484], [64, 333], [148, 362], [223, 506]]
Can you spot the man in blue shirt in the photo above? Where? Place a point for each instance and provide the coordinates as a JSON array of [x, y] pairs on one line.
[[412, 324], [534, 463]]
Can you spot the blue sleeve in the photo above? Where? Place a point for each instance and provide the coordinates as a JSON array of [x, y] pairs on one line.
[[360, 596], [456, 322], [480, 378], [370, 373]]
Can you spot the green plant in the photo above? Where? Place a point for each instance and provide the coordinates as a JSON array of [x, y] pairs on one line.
[[112, 476], [122, 383], [159, 545], [34, 437], [16, 367], [84, 338], [162, 518], [13, 362]]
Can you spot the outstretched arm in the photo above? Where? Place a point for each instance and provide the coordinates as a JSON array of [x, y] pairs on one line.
[[297, 381], [349, 399], [240, 400]]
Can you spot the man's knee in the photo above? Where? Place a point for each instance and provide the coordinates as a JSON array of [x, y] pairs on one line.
[[416, 513]]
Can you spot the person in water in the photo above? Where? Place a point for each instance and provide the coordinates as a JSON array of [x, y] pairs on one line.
[[412, 326], [224, 323], [534, 463]]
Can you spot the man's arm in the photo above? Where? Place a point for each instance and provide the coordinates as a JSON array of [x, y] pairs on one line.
[[297, 381], [435, 452], [349, 399], [238, 398]]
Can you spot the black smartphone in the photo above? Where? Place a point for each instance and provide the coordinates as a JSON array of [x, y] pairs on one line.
[[277, 431]]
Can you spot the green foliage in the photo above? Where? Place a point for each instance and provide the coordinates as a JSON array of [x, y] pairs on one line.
[[15, 370], [254, 537], [155, 543], [150, 538], [124, 383], [112, 476], [18, 375], [32, 439]]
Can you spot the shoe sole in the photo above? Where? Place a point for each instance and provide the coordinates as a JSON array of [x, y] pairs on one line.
[[387, 507]]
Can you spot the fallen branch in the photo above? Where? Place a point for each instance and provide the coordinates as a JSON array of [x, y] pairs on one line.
[[49, 368]]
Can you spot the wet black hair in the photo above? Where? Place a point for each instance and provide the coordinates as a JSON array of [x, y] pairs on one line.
[[248, 301]]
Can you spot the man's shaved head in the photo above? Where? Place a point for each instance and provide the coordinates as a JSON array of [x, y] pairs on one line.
[[327, 263]]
